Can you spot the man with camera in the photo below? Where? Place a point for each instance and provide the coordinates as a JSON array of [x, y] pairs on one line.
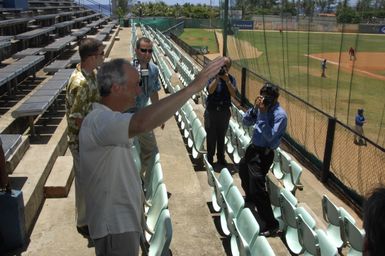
[[217, 113], [150, 86], [269, 120], [114, 202]]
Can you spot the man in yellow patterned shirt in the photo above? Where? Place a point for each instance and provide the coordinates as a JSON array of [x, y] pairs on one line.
[[81, 92]]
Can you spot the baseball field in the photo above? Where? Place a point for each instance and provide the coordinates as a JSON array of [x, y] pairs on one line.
[[293, 61]]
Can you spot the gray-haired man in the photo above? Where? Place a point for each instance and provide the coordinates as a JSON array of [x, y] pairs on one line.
[[114, 196]]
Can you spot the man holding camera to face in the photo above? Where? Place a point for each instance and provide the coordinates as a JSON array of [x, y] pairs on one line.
[[150, 86], [217, 113], [269, 120]]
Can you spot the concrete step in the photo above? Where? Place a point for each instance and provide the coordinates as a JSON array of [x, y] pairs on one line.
[[19, 153], [60, 179], [31, 173]]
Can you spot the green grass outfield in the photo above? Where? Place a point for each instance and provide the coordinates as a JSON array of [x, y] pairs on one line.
[[200, 37], [284, 61]]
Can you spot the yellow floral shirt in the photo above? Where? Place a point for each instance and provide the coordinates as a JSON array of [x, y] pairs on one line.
[[81, 92]]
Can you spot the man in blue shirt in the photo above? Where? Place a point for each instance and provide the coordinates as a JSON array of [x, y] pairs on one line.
[[217, 113], [360, 120], [269, 120], [149, 95]]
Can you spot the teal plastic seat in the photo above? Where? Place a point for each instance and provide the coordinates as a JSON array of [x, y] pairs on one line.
[[331, 214], [161, 240], [209, 171], [153, 181], [246, 231], [355, 237], [276, 165], [291, 180], [285, 162], [288, 204], [159, 202], [188, 124], [222, 186], [135, 153], [261, 247], [274, 189], [199, 135], [233, 204]]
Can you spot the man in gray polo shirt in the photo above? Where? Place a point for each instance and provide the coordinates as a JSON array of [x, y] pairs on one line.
[[113, 197]]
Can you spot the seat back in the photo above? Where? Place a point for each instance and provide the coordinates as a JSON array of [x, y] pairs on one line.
[[234, 201], [288, 204], [155, 179], [261, 247], [247, 230], [354, 235], [285, 162], [159, 203], [330, 212], [209, 171], [199, 141], [160, 241], [274, 190], [306, 233]]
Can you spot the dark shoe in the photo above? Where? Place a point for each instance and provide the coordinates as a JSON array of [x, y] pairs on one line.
[[84, 231], [210, 160], [270, 232]]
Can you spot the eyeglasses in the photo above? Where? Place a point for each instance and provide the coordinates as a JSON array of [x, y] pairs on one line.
[[146, 50]]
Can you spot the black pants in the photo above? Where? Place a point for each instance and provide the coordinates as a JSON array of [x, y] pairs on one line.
[[253, 168], [216, 124]]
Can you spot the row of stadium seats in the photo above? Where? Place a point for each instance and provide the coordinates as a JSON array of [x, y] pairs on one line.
[[157, 228]]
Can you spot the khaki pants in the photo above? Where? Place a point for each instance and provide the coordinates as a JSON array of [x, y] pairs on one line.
[[79, 193], [148, 148], [358, 138]]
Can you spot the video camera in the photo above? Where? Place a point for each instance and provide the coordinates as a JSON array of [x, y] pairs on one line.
[[143, 76]]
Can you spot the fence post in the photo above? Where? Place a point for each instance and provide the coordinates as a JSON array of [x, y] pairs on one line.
[[243, 87], [325, 172]]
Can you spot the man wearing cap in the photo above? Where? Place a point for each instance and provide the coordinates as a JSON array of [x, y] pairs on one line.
[[269, 120]]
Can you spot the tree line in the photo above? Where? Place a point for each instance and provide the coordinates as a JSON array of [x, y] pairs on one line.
[[368, 11]]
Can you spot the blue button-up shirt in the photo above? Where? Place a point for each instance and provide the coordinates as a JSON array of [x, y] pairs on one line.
[[142, 100], [269, 126]]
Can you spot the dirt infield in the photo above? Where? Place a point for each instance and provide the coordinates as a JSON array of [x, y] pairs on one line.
[[366, 63]]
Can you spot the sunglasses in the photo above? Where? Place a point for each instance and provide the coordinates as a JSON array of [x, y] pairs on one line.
[[146, 50]]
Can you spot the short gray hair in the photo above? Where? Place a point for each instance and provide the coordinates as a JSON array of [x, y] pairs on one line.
[[111, 73]]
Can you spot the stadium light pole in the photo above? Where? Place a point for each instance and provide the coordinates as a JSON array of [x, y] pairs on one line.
[[225, 27]]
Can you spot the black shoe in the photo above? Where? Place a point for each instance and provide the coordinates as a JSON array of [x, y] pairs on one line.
[[83, 231], [271, 232], [222, 162]]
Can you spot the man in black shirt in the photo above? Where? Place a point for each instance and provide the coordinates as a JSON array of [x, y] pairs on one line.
[[217, 114]]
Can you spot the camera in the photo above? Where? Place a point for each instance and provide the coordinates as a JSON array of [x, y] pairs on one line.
[[222, 71], [268, 101]]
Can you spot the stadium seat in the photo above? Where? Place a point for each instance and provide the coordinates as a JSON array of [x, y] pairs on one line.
[[291, 180], [331, 214], [222, 186], [159, 202], [233, 204], [274, 189], [261, 247], [151, 185], [285, 162], [276, 166], [246, 231], [355, 237], [288, 204], [160, 241]]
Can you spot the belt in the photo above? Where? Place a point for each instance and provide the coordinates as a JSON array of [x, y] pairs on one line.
[[264, 150]]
